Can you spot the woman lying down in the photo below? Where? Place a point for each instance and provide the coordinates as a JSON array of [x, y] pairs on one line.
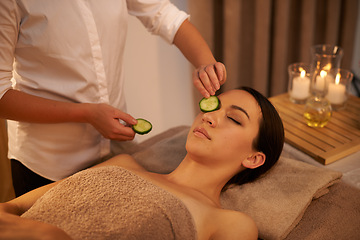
[[118, 199]]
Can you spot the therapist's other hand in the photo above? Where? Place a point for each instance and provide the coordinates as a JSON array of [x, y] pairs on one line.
[[208, 78], [13, 227], [105, 119]]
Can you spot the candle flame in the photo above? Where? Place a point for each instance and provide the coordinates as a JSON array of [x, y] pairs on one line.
[[337, 78], [327, 67], [302, 73], [323, 73]]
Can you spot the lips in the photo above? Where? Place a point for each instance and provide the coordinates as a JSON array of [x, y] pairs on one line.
[[201, 132]]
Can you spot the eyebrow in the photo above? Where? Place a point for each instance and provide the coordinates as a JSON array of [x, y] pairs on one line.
[[241, 109]]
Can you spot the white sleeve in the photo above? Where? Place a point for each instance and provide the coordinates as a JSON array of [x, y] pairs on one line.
[[160, 17], [9, 22]]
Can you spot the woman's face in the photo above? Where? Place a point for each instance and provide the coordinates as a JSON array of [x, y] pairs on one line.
[[226, 134]]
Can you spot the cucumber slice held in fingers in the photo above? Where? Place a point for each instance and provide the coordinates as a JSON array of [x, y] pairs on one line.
[[142, 127], [209, 104]]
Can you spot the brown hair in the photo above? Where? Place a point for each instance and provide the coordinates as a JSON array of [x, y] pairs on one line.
[[270, 140]]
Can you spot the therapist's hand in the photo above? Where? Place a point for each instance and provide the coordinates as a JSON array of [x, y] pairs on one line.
[[105, 119], [13, 227], [208, 78]]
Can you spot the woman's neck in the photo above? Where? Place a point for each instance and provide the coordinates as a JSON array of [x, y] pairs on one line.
[[199, 177]]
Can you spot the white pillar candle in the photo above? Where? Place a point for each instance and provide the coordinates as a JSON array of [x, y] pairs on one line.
[[320, 81], [336, 92], [300, 87]]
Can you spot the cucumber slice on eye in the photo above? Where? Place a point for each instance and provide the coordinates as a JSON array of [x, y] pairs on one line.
[[209, 104], [142, 127]]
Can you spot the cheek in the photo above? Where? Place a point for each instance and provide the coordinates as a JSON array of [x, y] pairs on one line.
[[236, 143], [197, 120]]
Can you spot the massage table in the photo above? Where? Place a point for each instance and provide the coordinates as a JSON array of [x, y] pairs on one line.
[[294, 200]]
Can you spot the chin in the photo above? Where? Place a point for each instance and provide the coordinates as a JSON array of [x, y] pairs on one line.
[[198, 147]]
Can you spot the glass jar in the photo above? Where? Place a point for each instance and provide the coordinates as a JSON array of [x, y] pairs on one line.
[[324, 58], [317, 111]]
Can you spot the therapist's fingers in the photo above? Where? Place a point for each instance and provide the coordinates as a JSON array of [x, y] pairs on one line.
[[208, 79], [202, 81], [213, 77], [114, 130], [122, 132], [199, 85], [127, 118], [220, 72], [105, 119]]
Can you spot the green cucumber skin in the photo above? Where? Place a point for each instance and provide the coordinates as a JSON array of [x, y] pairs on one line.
[[206, 108], [137, 126]]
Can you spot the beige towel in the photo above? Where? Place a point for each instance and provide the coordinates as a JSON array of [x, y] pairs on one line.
[[276, 202], [113, 203], [334, 216]]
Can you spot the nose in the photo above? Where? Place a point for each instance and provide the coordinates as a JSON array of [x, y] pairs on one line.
[[209, 118]]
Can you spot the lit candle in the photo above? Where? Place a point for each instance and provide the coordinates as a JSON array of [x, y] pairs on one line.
[[327, 67], [300, 87], [336, 92], [320, 81]]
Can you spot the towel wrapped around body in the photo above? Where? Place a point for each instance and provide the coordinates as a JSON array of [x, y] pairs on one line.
[[113, 203]]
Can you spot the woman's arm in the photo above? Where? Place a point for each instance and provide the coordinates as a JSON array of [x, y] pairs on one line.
[[209, 74], [15, 227], [22, 203], [12, 226]]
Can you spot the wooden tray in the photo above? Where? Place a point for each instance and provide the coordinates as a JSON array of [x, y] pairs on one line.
[[339, 138]]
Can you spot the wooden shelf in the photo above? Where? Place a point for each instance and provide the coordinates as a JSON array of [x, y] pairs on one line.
[[339, 138]]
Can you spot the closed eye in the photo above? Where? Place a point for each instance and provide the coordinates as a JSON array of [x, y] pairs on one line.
[[235, 121]]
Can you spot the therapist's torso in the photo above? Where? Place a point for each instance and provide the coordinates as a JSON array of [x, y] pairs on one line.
[[72, 50]]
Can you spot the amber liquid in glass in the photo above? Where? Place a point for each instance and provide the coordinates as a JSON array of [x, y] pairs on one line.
[[314, 119], [317, 112]]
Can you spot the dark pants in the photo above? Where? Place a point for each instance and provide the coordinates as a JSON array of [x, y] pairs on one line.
[[25, 180]]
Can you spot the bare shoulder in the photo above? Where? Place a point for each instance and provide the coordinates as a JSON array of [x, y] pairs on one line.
[[233, 224], [122, 160]]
